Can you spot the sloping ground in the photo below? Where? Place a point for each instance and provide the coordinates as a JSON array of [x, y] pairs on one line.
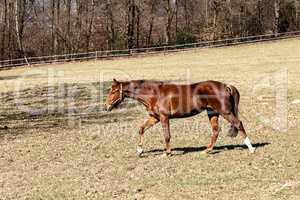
[[56, 142]]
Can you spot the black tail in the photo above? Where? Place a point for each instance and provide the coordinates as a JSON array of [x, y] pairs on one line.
[[235, 99]]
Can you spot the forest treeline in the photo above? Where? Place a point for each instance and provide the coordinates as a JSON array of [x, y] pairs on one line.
[[51, 27]]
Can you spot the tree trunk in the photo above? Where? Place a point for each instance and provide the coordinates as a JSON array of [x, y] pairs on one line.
[[150, 33], [57, 44], [276, 16], [186, 15], [138, 27], [78, 24], [230, 18], [20, 9], [53, 34], [43, 39], [149, 37], [131, 24], [206, 13], [110, 30], [90, 25], [110, 26], [3, 32], [10, 28], [260, 15], [170, 16], [176, 19], [68, 34]]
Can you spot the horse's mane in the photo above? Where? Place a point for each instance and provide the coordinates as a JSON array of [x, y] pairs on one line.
[[147, 82]]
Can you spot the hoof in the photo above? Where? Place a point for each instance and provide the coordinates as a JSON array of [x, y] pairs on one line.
[[140, 151], [252, 150], [205, 152]]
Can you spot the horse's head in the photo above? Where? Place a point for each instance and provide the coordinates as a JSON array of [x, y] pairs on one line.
[[115, 95]]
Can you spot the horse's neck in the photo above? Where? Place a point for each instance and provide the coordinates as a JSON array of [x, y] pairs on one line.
[[136, 93]]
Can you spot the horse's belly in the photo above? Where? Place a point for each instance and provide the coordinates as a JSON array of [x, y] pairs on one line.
[[183, 114]]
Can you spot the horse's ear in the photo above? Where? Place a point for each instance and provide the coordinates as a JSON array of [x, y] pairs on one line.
[[115, 82]]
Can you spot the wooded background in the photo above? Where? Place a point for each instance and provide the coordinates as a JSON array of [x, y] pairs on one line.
[[52, 27]]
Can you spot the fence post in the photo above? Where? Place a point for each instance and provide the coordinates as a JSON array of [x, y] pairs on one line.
[[55, 59]]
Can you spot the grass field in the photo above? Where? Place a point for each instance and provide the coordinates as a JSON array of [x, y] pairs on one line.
[[57, 143]]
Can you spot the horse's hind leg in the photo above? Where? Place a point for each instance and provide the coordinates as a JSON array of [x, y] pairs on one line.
[[146, 125], [213, 119], [239, 125]]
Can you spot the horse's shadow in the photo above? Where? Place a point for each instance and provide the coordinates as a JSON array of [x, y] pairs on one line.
[[217, 149]]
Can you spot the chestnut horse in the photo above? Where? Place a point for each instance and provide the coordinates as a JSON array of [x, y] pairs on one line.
[[165, 101]]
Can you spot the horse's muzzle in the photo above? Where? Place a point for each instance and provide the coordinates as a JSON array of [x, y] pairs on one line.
[[108, 108]]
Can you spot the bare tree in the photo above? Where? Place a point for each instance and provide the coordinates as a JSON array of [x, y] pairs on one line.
[[276, 18], [110, 24], [170, 10], [4, 26], [131, 15], [53, 27], [138, 24], [79, 11], [89, 22], [57, 23], [151, 22], [68, 32], [20, 11], [71, 26]]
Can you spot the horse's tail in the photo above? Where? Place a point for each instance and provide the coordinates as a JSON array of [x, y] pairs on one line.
[[235, 99]]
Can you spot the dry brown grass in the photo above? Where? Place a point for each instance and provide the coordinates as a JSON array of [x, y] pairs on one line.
[[89, 154]]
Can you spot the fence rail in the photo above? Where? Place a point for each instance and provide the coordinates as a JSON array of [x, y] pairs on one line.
[[139, 51]]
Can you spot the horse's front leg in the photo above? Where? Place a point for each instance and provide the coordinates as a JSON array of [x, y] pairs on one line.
[[214, 133], [166, 129], [146, 125]]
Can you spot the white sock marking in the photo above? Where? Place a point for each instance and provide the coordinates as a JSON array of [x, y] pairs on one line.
[[249, 145], [140, 150]]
